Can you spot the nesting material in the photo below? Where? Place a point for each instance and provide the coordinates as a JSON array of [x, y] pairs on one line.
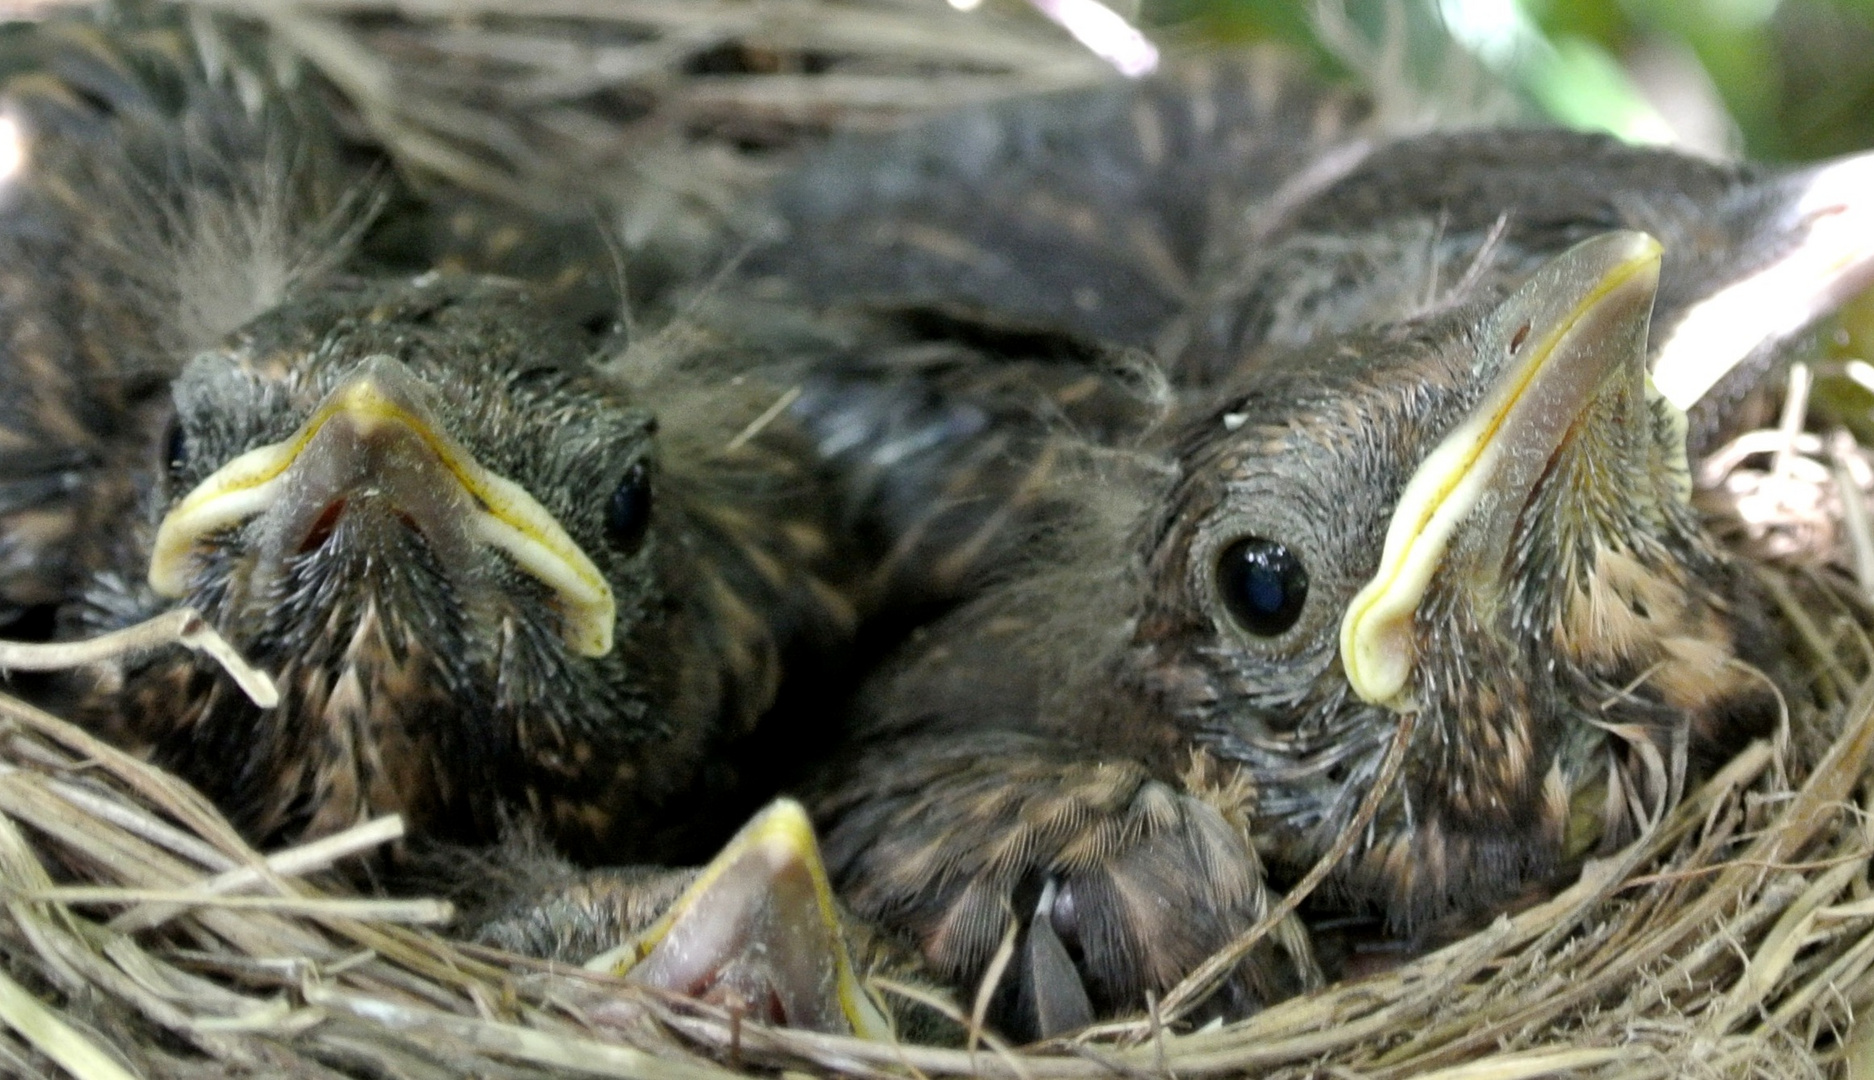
[[684, 103]]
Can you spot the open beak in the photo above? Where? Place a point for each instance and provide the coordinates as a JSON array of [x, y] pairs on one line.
[[1549, 352], [373, 438], [758, 930]]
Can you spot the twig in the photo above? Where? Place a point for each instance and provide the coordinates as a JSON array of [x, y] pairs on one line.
[[53, 1037], [292, 862], [183, 626]]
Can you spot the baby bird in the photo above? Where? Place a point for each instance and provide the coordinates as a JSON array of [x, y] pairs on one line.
[[458, 543], [1423, 478], [756, 931], [507, 570], [1469, 531], [501, 564]]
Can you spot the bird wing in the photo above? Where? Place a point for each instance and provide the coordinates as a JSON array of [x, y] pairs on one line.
[[1087, 211]]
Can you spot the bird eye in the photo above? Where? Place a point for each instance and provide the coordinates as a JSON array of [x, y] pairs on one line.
[[175, 445], [628, 514], [1263, 584]]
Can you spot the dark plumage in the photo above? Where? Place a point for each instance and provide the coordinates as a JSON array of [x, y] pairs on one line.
[[1576, 639], [425, 668], [500, 563], [1087, 213], [1234, 205], [1567, 653]]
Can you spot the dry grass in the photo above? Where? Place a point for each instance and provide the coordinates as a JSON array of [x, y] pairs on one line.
[[672, 100]]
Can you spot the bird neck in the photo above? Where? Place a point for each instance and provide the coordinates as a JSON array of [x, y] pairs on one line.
[[1607, 652]]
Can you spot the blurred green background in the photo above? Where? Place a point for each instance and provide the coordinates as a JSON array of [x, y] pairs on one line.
[[1769, 79]]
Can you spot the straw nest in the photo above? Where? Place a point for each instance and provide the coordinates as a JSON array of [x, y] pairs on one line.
[[669, 112], [142, 933]]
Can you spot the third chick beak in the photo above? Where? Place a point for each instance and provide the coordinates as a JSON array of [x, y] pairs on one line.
[[759, 930]]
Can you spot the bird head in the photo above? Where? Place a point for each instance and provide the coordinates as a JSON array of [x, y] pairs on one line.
[[430, 514], [1478, 519], [1754, 254]]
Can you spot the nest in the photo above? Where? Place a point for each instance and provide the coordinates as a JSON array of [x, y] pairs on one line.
[[1735, 937], [670, 110]]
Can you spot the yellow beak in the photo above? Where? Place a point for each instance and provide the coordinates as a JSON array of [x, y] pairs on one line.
[[380, 408], [1547, 351], [759, 922]]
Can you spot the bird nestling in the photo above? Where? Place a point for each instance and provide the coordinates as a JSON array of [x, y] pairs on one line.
[[452, 537], [1476, 521], [501, 563], [509, 571], [1415, 477]]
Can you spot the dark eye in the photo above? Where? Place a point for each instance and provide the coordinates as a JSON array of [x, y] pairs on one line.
[[175, 446], [628, 514], [1263, 584]]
